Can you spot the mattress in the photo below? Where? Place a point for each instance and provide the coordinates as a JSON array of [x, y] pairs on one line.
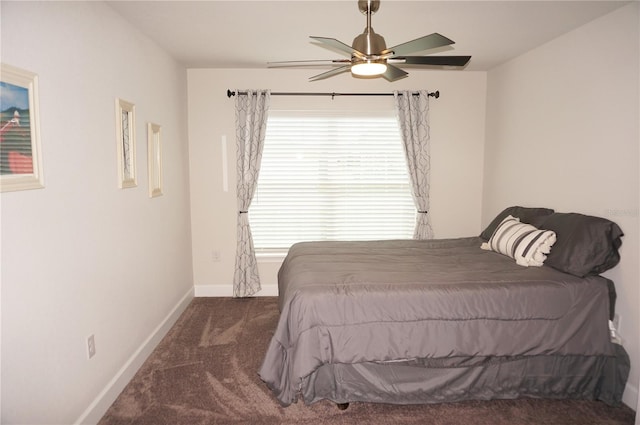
[[354, 306]]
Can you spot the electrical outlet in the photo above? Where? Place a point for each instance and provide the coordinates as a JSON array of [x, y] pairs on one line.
[[91, 346], [215, 255], [616, 322], [614, 330]]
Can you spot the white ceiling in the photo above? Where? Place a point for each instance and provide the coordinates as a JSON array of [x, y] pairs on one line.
[[248, 34]]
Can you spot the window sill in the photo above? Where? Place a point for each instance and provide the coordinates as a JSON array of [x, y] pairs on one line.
[[270, 257]]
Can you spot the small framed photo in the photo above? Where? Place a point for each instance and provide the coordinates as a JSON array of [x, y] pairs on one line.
[[154, 160], [20, 153], [126, 143]]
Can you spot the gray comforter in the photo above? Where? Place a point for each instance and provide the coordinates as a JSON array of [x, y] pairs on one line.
[[423, 302]]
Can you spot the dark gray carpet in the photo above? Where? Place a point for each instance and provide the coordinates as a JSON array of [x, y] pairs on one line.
[[205, 372]]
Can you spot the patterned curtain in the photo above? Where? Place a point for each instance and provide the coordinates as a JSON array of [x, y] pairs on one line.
[[413, 115], [251, 124]]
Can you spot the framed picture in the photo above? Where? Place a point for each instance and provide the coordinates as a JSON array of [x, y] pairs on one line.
[[20, 154], [126, 143], [154, 160]]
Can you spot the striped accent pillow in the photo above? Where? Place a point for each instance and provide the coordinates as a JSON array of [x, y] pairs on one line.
[[522, 242]]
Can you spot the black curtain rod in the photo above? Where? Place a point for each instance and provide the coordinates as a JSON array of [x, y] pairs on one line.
[[230, 93]]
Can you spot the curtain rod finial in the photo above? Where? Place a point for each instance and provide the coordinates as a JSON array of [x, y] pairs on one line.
[[230, 93]]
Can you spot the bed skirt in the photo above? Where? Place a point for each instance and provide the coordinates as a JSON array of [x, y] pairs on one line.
[[449, 380]]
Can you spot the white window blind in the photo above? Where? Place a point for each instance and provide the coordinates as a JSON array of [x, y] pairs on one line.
[[329, 176]]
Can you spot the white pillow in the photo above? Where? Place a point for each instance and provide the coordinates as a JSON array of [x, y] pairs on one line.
[[520, 241]]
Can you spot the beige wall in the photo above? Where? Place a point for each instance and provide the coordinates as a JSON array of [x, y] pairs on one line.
[[457, 132], [81, 256], [562, 132]]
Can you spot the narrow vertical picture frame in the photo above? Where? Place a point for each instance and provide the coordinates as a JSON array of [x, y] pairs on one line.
[[126, 143], [154, 160], [20, 151]]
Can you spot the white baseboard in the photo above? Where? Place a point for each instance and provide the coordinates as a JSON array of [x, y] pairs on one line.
[[227, 291], [630, 397], [112, 390]]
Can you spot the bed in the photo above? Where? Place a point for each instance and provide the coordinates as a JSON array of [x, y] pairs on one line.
[[429, 321]]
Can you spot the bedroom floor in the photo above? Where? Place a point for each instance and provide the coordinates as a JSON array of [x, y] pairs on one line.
[[205, 372]]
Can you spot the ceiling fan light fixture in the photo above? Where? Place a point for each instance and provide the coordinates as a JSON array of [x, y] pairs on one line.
[[369, 68]]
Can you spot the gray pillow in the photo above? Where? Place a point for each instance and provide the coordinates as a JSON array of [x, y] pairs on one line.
[[586, 245], [525, 214]]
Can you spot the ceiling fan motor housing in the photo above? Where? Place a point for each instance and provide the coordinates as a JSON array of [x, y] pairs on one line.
[[369, 42]]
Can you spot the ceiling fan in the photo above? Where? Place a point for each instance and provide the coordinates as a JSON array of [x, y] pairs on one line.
[[370, 56]]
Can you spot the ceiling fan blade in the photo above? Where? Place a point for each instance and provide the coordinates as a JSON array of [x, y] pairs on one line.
[[394, 73], [427, 42], [331, 73], [303, 63], [337, 44], [432, 60]]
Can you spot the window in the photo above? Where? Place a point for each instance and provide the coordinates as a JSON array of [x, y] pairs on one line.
[[329, 176]]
